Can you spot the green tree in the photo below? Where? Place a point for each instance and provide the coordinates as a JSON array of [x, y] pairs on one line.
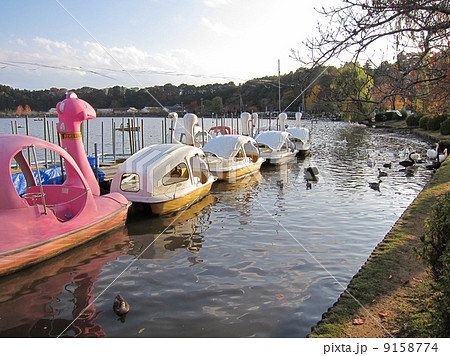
[[352, 88]]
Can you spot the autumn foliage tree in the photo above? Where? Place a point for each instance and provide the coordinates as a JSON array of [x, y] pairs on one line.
[[418, 30]]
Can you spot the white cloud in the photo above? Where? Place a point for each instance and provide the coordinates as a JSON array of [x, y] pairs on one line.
[[217, 27], [50, 45], [215, 3]]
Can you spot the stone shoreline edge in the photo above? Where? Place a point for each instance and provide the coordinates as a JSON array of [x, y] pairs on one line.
[[384, 272]]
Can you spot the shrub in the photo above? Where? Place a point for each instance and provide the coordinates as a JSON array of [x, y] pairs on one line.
[[404, 115], [423, 122], [434, 123], [435, 252], [413, 120], [445, 127], [389, 115], [435, 242], [381, 116]]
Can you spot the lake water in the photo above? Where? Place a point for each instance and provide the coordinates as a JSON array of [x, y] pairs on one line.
[[251, 259]]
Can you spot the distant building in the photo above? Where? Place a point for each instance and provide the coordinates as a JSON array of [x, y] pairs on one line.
[[150, 109], [132, 110], [106, 111], [175, 108]]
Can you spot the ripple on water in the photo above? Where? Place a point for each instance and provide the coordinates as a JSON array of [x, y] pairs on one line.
[[252, 259]]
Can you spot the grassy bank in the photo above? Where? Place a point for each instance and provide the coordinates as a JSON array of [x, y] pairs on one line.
[[391, 293]]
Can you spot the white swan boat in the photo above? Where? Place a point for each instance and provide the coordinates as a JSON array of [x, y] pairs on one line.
[[276, 146], [169, 177], [190, 133], [300, 135], [232, 156]]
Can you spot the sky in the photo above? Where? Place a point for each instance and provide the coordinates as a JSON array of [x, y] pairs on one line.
[[141, 43]]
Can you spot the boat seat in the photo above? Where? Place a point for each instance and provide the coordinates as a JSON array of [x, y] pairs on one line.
[[62, 212], [254, 158]]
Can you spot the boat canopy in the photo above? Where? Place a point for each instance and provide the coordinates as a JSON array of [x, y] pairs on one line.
[[11, 147], [148, 169], [273, 139], [301, 133], [228, 146]]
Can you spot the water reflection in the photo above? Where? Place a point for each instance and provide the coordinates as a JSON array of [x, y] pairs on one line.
[[151, 237], [43, 300]]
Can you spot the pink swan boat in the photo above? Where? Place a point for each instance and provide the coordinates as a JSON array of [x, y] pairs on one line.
[[48, 220]]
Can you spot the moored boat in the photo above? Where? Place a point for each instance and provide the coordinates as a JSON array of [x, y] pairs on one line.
[[168, 177], [48, 220], [190, 133], [300, 135], [276, 146], [233, 156]]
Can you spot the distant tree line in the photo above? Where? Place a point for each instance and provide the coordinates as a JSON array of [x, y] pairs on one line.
[[352, 90]]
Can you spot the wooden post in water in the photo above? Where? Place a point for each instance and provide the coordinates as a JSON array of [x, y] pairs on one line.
[[165, 130], [12, 127], [203, 132], [123, 139], [47, 127], [61, 159], [142, 133], [162, 131], [87, 136], [54, 141], [103, 151], [45, 138], [129, 136], [95, 161], [138, 137], [27, 130], [133, 136], [113, 124]]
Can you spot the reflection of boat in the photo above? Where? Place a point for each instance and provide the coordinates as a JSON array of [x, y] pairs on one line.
[[50, 219], [276, 146], [189, 134], [232, 156], [166, 176], [153, 236], [30, 300], [128, 128], [300, 135]]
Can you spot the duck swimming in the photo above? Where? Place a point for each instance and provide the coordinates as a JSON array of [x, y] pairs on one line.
[[375, 185], [412, 159], [120, 306], [381, 173]]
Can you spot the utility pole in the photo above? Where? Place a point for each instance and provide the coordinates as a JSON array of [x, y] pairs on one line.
[[279, 89]]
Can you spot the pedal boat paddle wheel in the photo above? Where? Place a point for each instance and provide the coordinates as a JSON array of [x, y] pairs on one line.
[[48, 220]]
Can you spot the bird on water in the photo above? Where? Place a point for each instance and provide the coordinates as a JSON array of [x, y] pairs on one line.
[[375, 185], [120, 306]]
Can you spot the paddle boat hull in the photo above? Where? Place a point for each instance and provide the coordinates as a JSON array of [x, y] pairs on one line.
[[46, 243], [181, 202], [276, 147], [234, 172]]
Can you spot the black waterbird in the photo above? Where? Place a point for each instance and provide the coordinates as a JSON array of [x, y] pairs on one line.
[[120, 306], [375, 185]]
